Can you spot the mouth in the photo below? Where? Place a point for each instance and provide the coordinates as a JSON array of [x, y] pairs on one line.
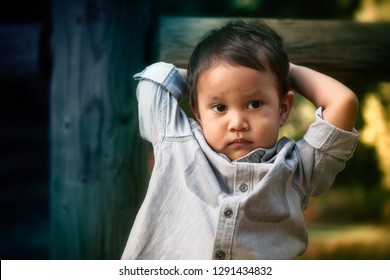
[[240, 142]]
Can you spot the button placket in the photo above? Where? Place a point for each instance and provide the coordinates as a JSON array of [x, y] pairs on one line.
[[226, 228], [228, 212], [220, 255], [243, 187], [243, 178]]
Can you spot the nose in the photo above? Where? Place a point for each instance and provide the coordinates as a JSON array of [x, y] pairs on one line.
[[237, 122]]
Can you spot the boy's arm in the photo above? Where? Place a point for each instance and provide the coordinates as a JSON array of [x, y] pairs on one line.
[[159, 91], [340, 104]]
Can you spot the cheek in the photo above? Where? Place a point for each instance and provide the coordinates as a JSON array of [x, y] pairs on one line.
[[266, 126], [213, 133], [209, 129]]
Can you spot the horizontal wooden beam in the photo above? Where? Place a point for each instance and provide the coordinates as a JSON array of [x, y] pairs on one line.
[[349, 51]]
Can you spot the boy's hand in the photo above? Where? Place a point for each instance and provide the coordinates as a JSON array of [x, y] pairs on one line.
[[340, 104]]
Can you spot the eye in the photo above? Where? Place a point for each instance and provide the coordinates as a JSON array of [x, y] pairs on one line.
[[219, 108], [256, 104]]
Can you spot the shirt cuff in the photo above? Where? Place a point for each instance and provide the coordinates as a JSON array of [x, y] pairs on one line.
[[166, 75], [330, 139]]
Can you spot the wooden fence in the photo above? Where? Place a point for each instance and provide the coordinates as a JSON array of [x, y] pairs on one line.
[[348, 51]]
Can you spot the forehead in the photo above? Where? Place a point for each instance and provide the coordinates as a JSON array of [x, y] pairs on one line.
[[224, 78]]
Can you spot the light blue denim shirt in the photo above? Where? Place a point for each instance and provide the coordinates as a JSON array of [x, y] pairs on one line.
[[201, 205]]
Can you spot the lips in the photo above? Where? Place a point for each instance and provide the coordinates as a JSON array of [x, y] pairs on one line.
[[240, 142]]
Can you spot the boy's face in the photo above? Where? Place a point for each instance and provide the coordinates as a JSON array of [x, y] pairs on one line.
[[239, 109]]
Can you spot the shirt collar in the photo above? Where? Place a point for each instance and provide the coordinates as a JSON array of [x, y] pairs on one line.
[[259, 155]]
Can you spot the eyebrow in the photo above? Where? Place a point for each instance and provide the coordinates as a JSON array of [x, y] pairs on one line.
[[213, 98], [256, 93]]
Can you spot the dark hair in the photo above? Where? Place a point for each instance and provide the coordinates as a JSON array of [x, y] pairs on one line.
[[251, 44]]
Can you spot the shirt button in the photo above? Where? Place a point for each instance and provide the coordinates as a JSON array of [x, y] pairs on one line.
[[243, 187], [220, 255], [228, 213]]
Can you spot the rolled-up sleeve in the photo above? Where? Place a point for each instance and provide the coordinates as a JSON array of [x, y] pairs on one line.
[[324, 150], [160, 89]]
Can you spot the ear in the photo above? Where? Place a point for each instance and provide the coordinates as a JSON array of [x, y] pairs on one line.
[[285, 107]]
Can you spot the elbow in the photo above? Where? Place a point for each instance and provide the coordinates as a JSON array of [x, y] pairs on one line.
[[352, 102], [349, 108], [343, 111]]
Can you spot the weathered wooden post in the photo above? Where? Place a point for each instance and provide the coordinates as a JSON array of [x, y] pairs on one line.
[[98, 161]]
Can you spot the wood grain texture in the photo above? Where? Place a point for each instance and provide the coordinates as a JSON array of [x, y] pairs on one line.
[[348, 51], [98, 161]]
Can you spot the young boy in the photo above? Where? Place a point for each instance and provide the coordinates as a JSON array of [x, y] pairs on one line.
[[223, 186]]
